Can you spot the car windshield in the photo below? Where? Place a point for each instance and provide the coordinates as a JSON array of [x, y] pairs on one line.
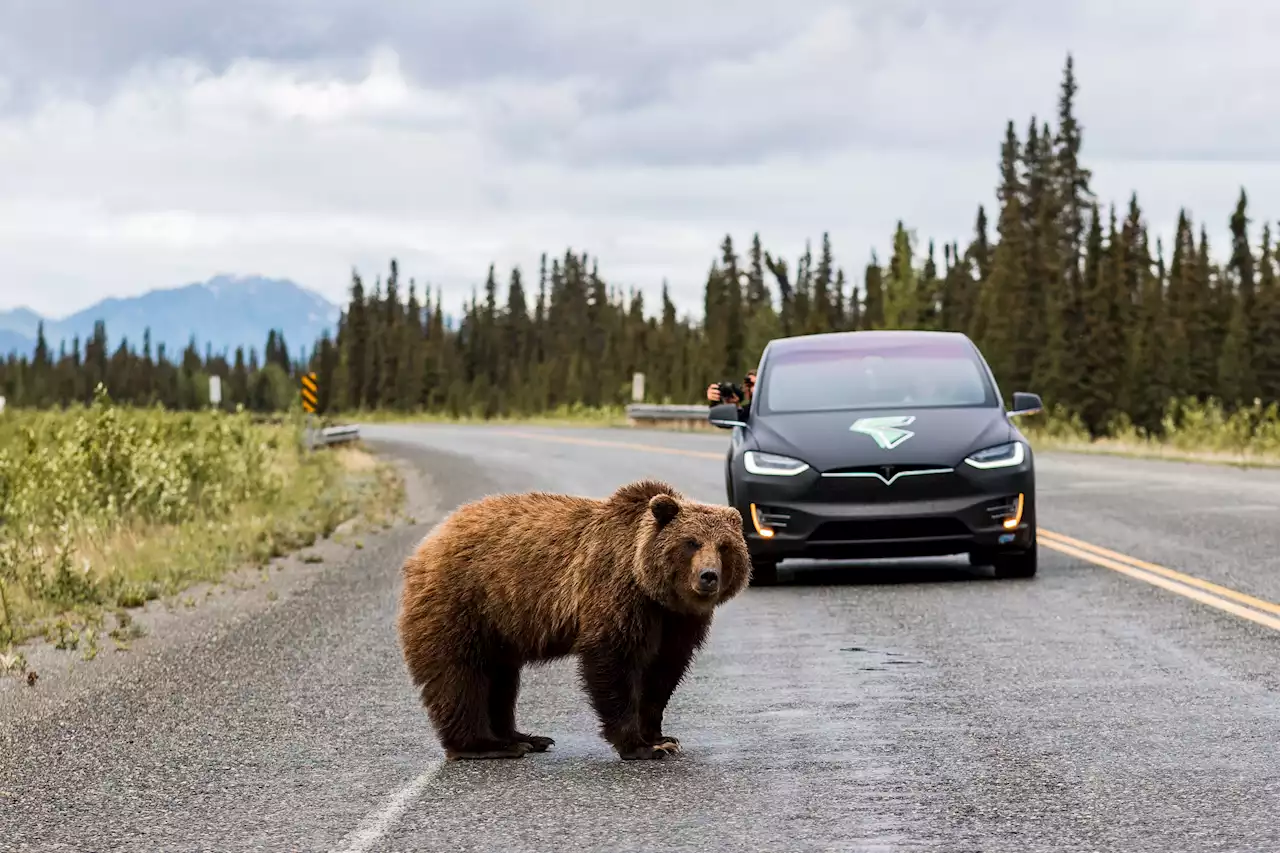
[[916, 375]]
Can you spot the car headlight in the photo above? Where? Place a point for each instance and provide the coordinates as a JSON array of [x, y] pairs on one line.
[[1001, 456], [773, 464]]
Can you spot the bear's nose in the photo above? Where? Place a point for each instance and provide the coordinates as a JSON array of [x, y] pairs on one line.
[[708, 580]]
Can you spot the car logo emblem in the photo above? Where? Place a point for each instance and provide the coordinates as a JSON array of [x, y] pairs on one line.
[[887, 432]]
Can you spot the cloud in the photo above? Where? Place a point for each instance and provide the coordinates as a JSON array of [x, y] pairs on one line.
[[171, 141]]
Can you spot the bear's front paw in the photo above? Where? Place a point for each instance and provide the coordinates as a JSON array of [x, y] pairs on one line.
[[536, 743], [485, 749], [647, 752]]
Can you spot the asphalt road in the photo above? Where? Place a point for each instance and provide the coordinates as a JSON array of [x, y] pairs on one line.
[[910, 706]]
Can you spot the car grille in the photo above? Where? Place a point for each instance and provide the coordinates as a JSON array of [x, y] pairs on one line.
[[893, 470], [865, 529], [889, 484]]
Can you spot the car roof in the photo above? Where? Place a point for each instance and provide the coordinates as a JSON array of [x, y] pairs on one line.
[[876, 340]]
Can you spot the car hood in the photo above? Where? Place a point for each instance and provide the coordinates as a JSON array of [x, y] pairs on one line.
[[826, 441]]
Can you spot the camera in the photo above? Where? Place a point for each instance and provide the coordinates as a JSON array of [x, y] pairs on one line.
[[728, 391]]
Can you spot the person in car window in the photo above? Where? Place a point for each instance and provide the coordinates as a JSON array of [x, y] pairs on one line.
[[744, 403]]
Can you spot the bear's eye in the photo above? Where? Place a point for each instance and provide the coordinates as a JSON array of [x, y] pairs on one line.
[[692, 545]]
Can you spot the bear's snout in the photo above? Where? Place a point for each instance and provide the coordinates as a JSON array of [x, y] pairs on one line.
[[708, 580], [706, 571]]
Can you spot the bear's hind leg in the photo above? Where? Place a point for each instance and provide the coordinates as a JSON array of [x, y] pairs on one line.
[[504, 686], [458, 703]]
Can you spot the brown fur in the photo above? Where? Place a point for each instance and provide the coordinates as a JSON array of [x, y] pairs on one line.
[[516, 579]]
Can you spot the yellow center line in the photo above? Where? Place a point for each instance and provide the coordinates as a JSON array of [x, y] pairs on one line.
[[1171, 585], [1225, 592], [1212, 594]]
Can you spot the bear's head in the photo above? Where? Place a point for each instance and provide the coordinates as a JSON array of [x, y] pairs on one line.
[[691, 556]]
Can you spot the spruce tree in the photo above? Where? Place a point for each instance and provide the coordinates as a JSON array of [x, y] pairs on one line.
[[1236, 381], [821, 311], [355, 355], [1206, 344], [1103, 348], [902, 300], [1002, 300], [1186, 310], [1072, 199], [929, 303], [731, 292], [409, 362], [873, 282], [802, 298], [1267, 324], [786, 293]]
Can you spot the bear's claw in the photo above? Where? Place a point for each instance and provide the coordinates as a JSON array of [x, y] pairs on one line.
[[650, 752], [536, 743]]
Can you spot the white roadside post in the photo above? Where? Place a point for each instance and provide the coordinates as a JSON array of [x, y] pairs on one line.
[[215, 391], [637, 387]]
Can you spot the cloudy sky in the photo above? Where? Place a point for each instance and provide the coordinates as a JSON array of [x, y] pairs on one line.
[[150, 143]]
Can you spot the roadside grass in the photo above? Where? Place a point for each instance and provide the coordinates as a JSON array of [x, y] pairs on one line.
[[1193, 431], [105, 508]]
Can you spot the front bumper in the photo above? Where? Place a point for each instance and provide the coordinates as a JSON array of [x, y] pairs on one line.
[[933, 514]]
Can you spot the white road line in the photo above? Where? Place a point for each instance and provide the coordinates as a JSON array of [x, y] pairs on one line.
[[376, 824]]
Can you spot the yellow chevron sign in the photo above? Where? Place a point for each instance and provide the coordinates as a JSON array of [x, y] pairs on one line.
[[310, 400]]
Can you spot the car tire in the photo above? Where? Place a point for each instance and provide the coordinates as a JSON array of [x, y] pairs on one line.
[[1022, 564], [764, 572]]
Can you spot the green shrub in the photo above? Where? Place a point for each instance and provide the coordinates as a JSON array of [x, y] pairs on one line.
[[1190, 429], [109, 506]]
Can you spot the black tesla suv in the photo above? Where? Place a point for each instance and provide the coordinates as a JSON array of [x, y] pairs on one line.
[[881, 444]]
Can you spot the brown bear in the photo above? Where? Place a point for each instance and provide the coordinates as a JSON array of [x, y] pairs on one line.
[[627, 583]]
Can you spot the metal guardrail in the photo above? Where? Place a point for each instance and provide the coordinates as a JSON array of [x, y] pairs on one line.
[[656, 412], [332, 435], [693, 417], [339, 434]]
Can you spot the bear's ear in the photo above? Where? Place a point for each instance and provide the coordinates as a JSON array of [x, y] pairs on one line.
[[664, 508]]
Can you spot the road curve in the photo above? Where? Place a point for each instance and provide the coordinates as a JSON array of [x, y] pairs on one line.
[[910, 706]]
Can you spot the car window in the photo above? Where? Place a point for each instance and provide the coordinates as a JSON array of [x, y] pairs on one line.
[[921, 376]]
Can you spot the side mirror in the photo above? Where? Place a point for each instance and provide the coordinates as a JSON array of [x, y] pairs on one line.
[[1025, 404], [725, 416]]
